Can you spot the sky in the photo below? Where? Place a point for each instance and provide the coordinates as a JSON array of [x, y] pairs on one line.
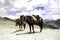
[[47, 9]]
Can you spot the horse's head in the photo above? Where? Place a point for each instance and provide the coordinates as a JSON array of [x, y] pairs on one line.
[[22, 17]]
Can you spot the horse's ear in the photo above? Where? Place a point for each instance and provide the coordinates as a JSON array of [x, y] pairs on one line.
[[22, 15]]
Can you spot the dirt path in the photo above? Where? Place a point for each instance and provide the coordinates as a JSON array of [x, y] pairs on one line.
[[46, 34]]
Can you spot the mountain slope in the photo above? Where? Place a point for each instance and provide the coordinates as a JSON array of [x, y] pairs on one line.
[[54, 23]]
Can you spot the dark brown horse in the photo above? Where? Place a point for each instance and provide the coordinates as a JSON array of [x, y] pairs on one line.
[[32, 22], [20, 23]]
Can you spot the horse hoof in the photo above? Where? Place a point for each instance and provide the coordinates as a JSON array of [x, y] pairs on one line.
[[40, 31], [34, 32]]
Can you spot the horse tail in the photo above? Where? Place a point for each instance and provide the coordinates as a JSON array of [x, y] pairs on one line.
[[41, 22], [41, 25]]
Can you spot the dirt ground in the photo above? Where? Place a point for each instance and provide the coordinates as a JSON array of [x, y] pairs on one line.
[[8, 31]]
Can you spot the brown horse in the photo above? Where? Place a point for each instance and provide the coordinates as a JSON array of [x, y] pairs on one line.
[[19, 23], [32, 22]]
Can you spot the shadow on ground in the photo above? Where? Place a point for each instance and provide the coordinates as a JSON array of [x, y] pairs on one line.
[[17, 31], [27, 33]]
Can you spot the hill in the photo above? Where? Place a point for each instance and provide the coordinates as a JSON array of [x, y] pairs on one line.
[[54, 23], [6, 18]]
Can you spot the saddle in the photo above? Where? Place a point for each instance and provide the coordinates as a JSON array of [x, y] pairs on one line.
[[34, 18]]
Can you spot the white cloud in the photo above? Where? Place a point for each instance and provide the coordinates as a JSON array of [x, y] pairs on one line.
[[52, 17], [27, 8], [18, 14], [2, 1], [2, 12], [36, 2], [11, 16], [25, 13], [53, 4], [29, 5], [58, 3]]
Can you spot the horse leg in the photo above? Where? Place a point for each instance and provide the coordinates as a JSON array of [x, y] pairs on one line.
[[33, 29], [41, 27], [16, 24], [20, 27], [30, 28], [24, 26]]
